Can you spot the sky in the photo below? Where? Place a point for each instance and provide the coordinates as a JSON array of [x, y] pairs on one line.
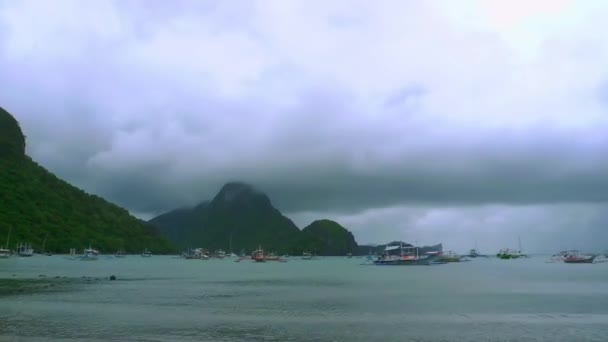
[[466, 122]]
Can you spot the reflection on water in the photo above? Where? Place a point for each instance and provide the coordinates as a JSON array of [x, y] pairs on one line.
[[332, 299]]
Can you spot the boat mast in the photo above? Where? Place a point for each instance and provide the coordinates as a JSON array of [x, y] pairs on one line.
[[231, 242], [44, 242], [519, 243], [9, 236]]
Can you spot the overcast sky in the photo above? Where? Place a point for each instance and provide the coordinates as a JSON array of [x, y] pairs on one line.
[[459, 122]]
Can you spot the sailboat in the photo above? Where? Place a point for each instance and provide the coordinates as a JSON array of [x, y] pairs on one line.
[[44, 244], [5, 252]]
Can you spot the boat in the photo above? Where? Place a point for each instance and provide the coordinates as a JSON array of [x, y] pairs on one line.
[[473, 253], [220, 254], [506, 253], [89, 254], [307, 256], [120, 254], [196, 253], [558, 257], [5, 252], [146, 253], [25, 250], [399, 255], [258, 255], [575, 257], [349, 255], [449, 256]]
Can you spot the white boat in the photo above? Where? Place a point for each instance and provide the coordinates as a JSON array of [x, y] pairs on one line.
[[307, 256], [25, 250], [196, 253], [146, 253], [220, 254], [120, 253], [89, 254]]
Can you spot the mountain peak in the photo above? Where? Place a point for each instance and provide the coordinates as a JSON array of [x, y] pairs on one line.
[[235, 193], [12, 140]]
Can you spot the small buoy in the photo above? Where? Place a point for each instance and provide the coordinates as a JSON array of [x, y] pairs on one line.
[[112, 277]]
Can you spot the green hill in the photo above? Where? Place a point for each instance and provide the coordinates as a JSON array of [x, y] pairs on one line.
[[35, 203], [241, 216], [327, 237], [238, 215]]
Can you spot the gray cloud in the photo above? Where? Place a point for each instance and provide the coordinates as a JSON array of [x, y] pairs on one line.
[[336, 110]]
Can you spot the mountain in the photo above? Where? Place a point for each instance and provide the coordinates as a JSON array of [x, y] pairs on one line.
[[239, 215], [37, 204], [327, 237], [245, 216]]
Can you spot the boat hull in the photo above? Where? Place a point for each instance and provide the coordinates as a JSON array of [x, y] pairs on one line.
[[402, 262], [579, 261]]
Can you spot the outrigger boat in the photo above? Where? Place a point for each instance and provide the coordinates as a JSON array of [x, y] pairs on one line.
[[574, 257], [258, 256], [400, 256], [449, 256]]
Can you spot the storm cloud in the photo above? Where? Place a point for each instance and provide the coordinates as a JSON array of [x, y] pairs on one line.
[[402, 120]]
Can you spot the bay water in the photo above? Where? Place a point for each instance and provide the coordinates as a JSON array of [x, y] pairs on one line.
[[166, 298]]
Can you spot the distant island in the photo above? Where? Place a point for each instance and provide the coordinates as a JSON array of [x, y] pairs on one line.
[[45, 210]]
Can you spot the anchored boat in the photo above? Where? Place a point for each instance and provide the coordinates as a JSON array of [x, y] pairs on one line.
[[400, 255], [25, 250], [89, 254], [575, 257]]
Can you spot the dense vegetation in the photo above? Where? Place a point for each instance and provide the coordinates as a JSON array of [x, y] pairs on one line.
[[12, 141], [244, 216], [37, 204]]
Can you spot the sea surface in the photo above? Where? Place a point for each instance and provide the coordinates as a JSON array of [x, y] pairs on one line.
[[165, 298]]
